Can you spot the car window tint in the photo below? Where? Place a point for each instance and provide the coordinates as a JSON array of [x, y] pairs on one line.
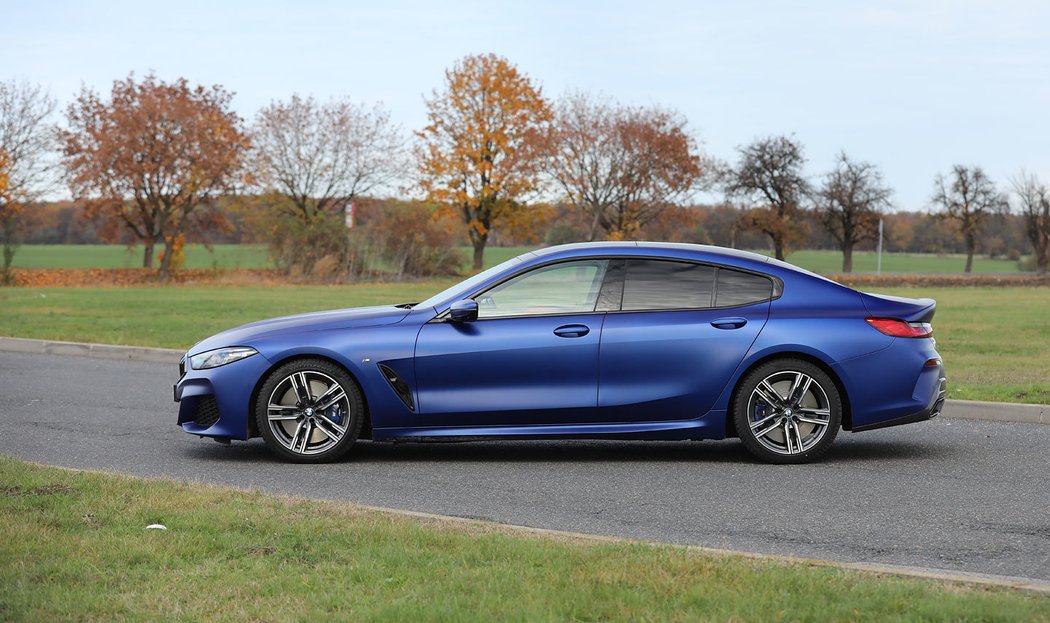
[[739, 288], [569, 287], [660, 284]]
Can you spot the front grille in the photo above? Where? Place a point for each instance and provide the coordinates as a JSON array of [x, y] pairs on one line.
[[182, 367], [207, 412]]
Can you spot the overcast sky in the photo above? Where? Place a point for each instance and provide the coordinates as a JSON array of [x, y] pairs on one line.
[[912, 86]]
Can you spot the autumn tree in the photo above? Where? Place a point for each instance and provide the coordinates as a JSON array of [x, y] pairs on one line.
[[769, 177], [26, 165], [1033, 199], [154, 156], [967, 197], [849, 203], [479, 153], [622, 165]]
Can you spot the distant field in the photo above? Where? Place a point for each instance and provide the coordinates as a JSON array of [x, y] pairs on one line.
[[231, 256], [987, 358]]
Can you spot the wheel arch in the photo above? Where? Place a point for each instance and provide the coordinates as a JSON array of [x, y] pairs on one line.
[[253, 425], [847, 412]]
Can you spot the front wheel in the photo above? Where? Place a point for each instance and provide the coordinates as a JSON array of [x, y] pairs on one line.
[[787, 411], [309, 411]]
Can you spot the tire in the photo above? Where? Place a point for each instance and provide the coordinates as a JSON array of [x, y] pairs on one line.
[[309, 411], [787, 411]]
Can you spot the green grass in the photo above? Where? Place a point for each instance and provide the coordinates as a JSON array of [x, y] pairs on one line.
[[75, 547], [230, 256], [994, 340]]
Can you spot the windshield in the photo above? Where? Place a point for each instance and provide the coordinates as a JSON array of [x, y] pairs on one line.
[[470, 284]]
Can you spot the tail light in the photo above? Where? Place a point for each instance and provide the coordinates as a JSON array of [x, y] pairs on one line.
[[901, 328]]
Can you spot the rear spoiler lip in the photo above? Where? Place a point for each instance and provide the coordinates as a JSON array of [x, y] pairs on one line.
[[911, 310]]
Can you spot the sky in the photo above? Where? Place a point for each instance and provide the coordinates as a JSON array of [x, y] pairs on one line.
[[912, 86]]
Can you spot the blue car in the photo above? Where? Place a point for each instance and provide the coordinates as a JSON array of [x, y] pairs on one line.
[[595, 340]]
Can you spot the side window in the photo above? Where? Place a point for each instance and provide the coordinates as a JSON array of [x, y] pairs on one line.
[[737, 288], [663, 284], [566, 288]]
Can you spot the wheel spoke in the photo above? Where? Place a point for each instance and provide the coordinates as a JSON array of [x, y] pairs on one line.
[[765, 431], [787, 437], [799, 389], [813, 411], [284, 412], [766, 392], [798, 436], [301, 387], [756, 424], [808, 420], [335, 434], [307, 433], [295, 436], [332, 399]]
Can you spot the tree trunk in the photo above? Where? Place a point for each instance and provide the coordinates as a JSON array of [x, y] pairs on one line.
[[847, 258], [479, 250], [971, 244], [147, 253], [778, 247], [165, 260]]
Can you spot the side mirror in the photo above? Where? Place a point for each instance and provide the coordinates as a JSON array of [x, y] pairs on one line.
[[464, 311]]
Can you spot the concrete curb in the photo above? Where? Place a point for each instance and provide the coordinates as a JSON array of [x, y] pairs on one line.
[[96, 351], [965, 409], [939, 575]]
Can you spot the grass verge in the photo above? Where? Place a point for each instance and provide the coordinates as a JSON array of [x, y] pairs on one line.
[[76, 548], [994, 340]]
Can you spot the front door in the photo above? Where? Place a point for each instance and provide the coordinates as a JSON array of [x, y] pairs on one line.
[[530, 358]]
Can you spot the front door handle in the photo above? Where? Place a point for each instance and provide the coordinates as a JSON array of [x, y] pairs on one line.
[[572, 330], [728, 323]]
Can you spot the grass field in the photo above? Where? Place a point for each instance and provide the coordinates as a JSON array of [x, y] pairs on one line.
[[230, 256], [75, 547], [994, 340]]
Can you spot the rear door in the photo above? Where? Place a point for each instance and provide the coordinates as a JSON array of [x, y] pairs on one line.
[[682, 331]]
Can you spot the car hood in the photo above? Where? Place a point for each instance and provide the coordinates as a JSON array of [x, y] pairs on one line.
[[316, 321]]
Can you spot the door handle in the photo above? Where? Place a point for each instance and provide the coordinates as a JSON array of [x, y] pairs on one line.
[[728, 323], [572, 330]]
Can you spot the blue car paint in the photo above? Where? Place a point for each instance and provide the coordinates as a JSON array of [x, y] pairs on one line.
[[644, 375]]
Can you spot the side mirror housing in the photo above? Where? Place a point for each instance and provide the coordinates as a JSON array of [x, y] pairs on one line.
[[464, 311]]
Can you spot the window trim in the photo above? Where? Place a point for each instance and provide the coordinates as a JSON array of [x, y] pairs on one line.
[[777, 287]]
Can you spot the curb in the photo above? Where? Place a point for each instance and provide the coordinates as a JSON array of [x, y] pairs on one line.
[[95, 351], [926, 573], [963, 409]]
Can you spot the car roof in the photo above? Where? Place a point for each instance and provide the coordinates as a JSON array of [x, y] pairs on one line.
[[657, 246]]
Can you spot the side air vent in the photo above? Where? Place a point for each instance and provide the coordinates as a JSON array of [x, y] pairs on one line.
[[401, 388], [207, 412]]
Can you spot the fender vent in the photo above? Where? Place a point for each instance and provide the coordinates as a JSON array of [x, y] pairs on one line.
[[401, 388]]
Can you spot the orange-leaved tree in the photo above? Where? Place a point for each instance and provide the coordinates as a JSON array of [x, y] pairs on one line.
[[155, 156], [479, 154]]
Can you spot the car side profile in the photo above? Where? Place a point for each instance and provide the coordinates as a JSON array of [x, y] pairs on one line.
[[592, 340]]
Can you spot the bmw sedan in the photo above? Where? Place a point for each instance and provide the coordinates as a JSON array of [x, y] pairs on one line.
[[596, 340]]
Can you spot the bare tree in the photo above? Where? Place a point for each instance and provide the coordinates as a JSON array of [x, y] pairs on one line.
[[622, 165], [154, 155], [321, 156], [850, 201], [26, 149], [968, 197], [1033, 198], [769, 176]]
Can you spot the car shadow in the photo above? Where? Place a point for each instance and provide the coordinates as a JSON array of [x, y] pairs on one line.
[[581, 451]]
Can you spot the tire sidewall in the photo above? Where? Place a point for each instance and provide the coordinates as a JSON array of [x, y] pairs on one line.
[[353, 394], [743, 395]]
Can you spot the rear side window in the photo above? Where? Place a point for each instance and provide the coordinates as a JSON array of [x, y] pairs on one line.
[[737, 288], [662, 284]]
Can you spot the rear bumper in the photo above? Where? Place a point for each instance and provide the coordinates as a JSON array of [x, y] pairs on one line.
[[930, 412]]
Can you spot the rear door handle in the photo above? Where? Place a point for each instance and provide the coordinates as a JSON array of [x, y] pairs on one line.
[[728, 323], [572, 330]]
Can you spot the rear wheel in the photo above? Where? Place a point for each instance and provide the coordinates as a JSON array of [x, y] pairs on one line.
[[787, 411], [309, 411]]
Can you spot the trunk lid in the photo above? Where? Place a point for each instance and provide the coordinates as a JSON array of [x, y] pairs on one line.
[[911, 310]]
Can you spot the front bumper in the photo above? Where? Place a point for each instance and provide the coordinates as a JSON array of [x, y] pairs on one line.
[[218, 402]]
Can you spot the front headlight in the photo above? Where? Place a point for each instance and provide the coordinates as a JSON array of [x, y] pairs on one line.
[[220, 357]]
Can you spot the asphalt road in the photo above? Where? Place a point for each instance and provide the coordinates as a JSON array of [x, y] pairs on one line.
[[961, 495]]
